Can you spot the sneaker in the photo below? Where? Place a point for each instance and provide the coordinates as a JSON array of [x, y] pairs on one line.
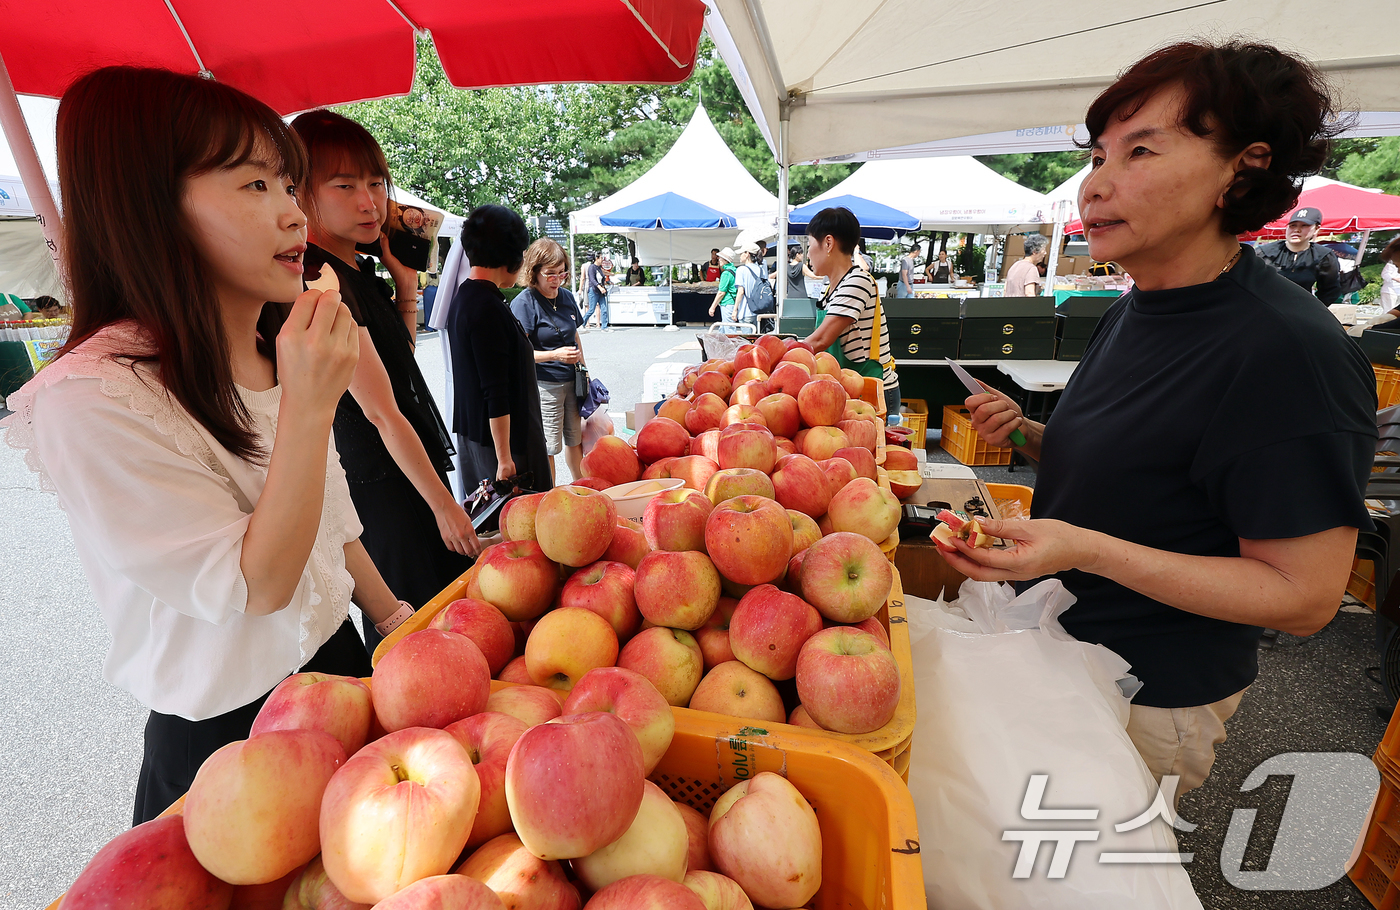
[[583, 330], [608, 331]]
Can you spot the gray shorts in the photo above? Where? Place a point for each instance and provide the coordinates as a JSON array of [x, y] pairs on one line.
[[559, 408]]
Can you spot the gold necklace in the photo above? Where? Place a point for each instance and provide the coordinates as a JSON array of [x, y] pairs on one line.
[[1233, 259]]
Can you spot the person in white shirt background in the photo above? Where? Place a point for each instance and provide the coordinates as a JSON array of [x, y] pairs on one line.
[[192, 455], [1390, 276]]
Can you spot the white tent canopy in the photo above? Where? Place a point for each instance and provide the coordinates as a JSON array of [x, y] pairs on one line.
[[699, 167], [26, 268], [451, 221], [873, 74], [946, 194]]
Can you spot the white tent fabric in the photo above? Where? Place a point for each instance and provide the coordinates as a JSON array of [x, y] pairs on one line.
[[946, 194], [26, 268], [700, 167], [874, 74], [451, 221]]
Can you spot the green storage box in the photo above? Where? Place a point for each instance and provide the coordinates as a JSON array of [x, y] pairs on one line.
[[799, 317], [923, 328], [1382, 347], [1008, 328], [1076, 317]]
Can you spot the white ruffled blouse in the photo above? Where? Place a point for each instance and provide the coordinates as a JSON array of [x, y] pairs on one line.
[[158, 510]]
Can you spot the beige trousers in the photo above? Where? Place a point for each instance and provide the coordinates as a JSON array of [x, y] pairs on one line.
[[1181, 741]]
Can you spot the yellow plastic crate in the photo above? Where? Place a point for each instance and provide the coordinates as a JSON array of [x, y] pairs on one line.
[[963, 443]]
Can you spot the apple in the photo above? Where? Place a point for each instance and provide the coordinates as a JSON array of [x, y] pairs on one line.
[[574, 784], [251, 813], [742, 413], [521, 880], [824, 523], [764, 835], [612, 459], [575, 525], [789, 378], [714, 383], [800, 718], [898, 458], [861, 459], [632, 697], [800, 484], [517, 578], [821, 404], [443, 892], [713, 637], [804, 531], [686, 384], [733, 689], [662, 438], [731, 482], [269, 895], [705, 413], [784, 446], [529, 704], [828, 364], [752, 356], [846, 577], [338, 705], [904, 483], [675, 520], [750, 393], [645, 892], [592, 483], [312, 889], [857, 408], [430, 679], [674, 408], [628, 545], [821, 443], [864, 508], [848, 680], [565, 644], [656, 843], [769, 629], [516, 672], [749, 538], [518, 517], [707, 444], [801, 355], [874, 627], [677, 588], [746, 445], [696, 470], [719, 892], [839, 472], [606, 589], [860, 431], [485, 625], [399, 810], [150, 866], [488, 738], [780, 414], [669, 658], [792, 581], [852, 382], [773, 345]]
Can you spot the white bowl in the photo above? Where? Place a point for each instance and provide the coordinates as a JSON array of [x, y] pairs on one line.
[[632, 498]]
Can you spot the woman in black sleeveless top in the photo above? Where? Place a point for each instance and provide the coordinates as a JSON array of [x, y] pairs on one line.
[[393, 443]]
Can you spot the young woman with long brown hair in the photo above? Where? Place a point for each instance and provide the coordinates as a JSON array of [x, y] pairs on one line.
[[392, 441], [193, 456]]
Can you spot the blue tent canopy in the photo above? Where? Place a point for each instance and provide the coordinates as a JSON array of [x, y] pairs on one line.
[[667, 212], [876, 220]]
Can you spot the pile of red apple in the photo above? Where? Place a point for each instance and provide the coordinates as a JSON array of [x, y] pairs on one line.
[[425, 791], [751, 591]]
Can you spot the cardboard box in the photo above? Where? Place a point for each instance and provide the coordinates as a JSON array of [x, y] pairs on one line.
[[641, 413]]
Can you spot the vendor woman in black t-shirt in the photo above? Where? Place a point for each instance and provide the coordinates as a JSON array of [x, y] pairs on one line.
[[1203, 474]]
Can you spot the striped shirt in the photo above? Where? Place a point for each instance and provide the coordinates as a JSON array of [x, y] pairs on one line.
[[854, 297]]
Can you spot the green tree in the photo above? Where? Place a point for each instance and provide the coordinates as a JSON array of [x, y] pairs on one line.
[[1039, 171], [1377, 165]]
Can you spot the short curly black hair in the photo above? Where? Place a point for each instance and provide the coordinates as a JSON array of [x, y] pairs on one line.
[[494, 237], [839, 222], [1237, 93]]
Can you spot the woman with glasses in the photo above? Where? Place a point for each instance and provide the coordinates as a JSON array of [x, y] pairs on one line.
[[550, 316]]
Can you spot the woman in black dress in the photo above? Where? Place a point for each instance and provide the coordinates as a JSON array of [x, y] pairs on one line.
[[392, 441], [496, 407]]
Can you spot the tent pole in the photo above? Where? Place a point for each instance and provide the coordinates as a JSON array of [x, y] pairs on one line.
[[1058, 208], [781, 259], [1361, 247], [573, 259], [31, 172]]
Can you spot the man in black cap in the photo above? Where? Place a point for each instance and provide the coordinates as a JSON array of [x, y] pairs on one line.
[[1303, 262]]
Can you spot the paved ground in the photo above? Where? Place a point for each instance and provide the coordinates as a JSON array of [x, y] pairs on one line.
[[70, 743]]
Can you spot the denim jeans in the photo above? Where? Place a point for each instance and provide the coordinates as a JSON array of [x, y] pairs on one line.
[[597, 301]]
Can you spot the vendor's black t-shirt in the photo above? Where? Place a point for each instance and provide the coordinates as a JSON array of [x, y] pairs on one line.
[[1200, 416]]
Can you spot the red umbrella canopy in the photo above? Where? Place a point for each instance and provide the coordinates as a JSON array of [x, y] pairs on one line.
[[1345, 208], [320, 52]]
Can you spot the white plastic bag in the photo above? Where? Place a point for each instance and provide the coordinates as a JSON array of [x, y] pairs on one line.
[[1015, 718], [595, 427]]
